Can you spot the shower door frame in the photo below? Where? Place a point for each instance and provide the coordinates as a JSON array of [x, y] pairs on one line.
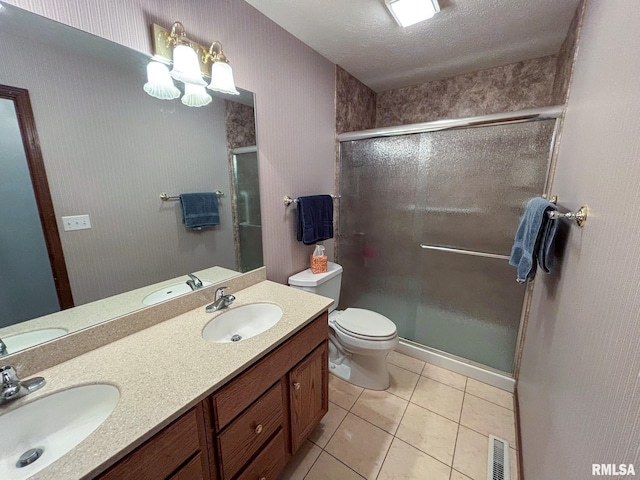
[[485, 373]]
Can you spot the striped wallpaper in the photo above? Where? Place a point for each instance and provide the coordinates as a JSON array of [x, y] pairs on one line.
[[579, 385], [294, 86]]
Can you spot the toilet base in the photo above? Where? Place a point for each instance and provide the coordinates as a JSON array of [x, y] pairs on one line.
[[364, 371]]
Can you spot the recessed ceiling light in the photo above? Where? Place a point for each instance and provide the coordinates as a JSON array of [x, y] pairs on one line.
[[408, 12]]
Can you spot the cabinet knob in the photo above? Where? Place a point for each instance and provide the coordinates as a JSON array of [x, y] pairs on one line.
[[258, 429], [262, 478], [296, 385]]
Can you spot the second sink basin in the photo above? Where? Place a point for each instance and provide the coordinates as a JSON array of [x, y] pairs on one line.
[[51, 426], [240, 323], [20, 341], [167, 293]]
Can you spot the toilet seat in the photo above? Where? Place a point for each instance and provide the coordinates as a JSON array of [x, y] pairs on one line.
[[364, 324]]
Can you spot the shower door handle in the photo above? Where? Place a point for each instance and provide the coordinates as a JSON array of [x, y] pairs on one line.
[[473, 253]]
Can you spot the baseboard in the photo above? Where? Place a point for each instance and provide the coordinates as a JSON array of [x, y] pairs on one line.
[[516, 412], [433, 357]]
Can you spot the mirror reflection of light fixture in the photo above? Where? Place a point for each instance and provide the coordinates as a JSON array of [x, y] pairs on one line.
[[159, 82], [195, 96], [409, 12], [191, 62]]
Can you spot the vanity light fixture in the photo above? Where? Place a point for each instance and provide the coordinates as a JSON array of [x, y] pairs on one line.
[[191, 62], [409, 12], [221, 73]]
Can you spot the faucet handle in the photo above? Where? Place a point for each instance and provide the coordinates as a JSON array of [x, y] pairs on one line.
[[195, 282], [9, 375], [220, 292]]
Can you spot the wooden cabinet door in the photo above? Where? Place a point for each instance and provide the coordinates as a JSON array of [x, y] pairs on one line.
[[166, 451], [309, 394]]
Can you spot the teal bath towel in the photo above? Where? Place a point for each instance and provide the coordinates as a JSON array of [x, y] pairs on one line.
[[534, 239]]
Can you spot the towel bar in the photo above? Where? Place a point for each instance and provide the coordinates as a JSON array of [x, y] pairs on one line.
[[166, 197], [580, 216], [288, 200]]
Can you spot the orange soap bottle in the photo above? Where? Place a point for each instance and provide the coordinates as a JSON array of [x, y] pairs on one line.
[[318, 260]]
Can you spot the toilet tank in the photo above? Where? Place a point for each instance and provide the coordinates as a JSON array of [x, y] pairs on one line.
[[326, 284]]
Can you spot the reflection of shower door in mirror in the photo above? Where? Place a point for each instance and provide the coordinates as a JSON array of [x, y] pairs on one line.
[[463, 189], [247, 209], [33, 275]]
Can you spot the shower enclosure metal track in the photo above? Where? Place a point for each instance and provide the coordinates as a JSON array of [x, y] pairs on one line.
[[528, 115]]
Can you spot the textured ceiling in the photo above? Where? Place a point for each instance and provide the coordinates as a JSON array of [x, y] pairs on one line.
[[466, 36]]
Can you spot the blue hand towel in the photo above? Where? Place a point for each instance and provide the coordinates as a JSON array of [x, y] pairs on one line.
[[314, 219], [533, 239], [200, 209]]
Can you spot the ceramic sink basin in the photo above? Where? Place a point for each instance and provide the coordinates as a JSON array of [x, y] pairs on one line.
[[167, 293], [54, 424], [240, 323], [21, 341]]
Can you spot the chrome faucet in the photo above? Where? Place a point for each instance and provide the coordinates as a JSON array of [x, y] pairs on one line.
[[221, 301], [195, 283], [13, 388], [3, 349]]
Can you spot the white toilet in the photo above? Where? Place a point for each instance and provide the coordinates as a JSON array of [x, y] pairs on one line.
[[359, 340]]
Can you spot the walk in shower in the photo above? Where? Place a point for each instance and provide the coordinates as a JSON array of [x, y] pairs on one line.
[[427, 219]]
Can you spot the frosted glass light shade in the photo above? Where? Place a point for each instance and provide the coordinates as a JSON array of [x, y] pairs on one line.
[[186, 67], [195, 96], [159, 83], [409, 12], [222, 79]]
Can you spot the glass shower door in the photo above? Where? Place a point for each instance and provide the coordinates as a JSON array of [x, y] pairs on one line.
[[464, 189], [247, 208]]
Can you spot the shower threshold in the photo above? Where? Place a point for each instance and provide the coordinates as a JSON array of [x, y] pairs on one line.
[[459, 365]]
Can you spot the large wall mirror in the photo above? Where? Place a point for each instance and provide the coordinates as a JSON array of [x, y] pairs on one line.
[[109, 150]]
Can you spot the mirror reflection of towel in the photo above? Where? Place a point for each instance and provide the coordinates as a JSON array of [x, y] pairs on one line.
[[314, 220], [200, 209]]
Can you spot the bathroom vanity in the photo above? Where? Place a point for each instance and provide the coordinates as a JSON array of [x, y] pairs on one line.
[[190, 408], [251, 426]]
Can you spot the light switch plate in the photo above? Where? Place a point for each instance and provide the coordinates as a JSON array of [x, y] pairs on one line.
[[76, 222]]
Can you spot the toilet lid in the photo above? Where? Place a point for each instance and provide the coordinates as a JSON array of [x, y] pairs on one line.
[[365, 323]]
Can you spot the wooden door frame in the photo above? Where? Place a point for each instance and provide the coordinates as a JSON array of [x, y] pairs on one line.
[[35, 162]]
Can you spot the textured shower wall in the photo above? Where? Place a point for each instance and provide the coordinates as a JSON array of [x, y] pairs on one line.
[[512, 87], [579, 388], [240, 124], [565, 59], [355, 103], [294, 86]]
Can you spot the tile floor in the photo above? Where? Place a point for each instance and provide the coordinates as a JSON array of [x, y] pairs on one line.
[[430, 424]]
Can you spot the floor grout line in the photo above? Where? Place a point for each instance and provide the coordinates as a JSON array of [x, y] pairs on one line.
[[350, 468], [428, 454], [314, 462], [435, 380], [493, 403]]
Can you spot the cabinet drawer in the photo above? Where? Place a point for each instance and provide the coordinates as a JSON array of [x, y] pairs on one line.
[[162, 454], [191, 471], [249, 432], [241, 392], [269, 462]]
